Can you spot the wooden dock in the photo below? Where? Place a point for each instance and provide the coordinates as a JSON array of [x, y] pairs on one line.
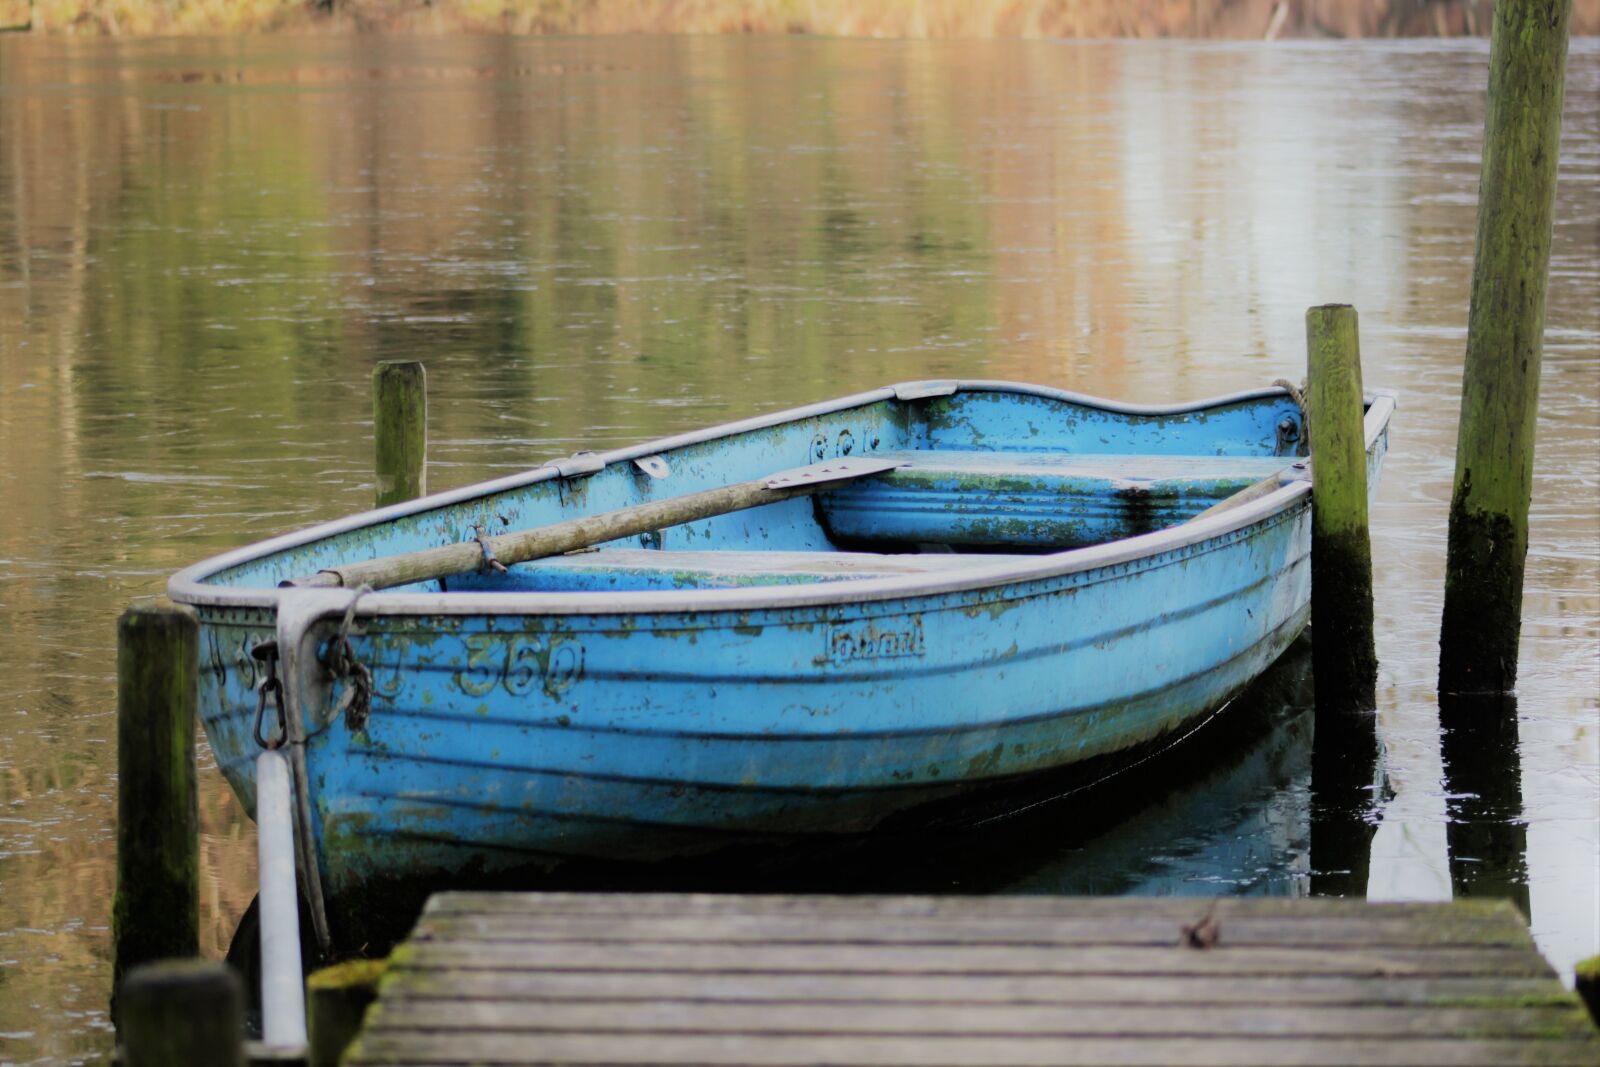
[[678, 979]]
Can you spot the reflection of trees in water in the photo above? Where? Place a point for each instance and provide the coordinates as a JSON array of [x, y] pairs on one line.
[[196, 273], [1244, 19]]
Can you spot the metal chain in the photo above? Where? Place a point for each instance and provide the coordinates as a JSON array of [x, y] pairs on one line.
[[356, 701]]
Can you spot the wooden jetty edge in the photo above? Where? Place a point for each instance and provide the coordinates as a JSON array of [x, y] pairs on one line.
[[939, 982]]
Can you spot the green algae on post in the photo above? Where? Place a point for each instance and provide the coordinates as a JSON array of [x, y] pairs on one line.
[[1586, 983], [337, 999], [400, 432], [1345, 663], [1488, 539]]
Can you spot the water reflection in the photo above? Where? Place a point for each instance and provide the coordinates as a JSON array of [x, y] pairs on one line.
[[204, 245], [1225, 812], [1487, 831], [1346, 788]]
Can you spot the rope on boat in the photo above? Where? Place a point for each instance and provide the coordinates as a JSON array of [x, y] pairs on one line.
[[1297, 394]]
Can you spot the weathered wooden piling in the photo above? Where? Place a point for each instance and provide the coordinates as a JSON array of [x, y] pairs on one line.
[[156, 910], [1586, 983], [1488, 540], [400, 431], [182, 1012], [338, 998], [1344, 662]]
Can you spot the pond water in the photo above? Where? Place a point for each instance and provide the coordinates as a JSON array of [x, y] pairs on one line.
[[205, 245]]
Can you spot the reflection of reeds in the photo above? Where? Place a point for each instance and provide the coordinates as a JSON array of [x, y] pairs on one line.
[[835, 18]]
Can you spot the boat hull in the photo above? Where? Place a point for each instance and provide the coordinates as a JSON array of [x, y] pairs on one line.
[[511, 740]]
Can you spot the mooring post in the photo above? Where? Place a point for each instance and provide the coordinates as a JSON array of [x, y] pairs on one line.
[[1488, 540], [1586, 983], [400, 431], [155, 913], [337, 998], [1344, 662], [182, 1011]]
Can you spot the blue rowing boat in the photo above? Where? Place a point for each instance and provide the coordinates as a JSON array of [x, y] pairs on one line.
[[950, 585]]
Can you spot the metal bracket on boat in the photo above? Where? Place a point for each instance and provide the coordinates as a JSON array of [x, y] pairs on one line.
[[299, 610], [924, 390], [489, 562], [655, 466], [579, 464], [837, 470], [1288, 436], [271, 688]]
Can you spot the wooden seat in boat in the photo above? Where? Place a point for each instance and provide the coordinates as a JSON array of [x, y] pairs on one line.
[[1033, 500]]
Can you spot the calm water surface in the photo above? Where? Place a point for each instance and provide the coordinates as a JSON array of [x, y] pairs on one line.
[[204, 246]]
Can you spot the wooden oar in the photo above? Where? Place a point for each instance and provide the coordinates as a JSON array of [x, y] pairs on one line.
[[1254, 491], [431, 564]]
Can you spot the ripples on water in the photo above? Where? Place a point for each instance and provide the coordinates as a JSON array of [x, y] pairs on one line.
[[205, 245]]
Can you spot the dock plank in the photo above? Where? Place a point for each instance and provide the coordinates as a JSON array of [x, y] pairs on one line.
[[890, 959], [945, 1051], [947, 982], [1505, 931], [1085, 1020]]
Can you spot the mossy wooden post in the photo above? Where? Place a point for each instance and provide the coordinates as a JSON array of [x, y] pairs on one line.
[[1344, 663], [156, 911], [338, 998], [1586, 983], [400, 431], [182, 1011], [1488, 540]]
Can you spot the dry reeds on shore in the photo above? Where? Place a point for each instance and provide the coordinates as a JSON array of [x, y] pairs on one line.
[[1239, 19]]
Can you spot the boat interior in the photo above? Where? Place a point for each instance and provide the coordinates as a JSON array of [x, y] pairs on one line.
[[931, 514], [957, 470]]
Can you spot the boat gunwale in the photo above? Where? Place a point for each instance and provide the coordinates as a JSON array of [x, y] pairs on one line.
[[189, 586]]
